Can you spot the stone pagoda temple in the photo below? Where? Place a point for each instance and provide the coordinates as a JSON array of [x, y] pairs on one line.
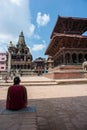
[[68, 45], [39, 65], [19, 57]]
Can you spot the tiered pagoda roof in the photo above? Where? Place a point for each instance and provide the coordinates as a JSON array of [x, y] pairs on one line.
[[70, 25], [67, 33]]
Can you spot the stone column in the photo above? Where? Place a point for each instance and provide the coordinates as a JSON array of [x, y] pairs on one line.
[[63, 58], [71, 58], [77, 58], [24, 58], [9, 62]]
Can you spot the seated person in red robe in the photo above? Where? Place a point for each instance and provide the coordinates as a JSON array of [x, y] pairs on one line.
[[16, 96]]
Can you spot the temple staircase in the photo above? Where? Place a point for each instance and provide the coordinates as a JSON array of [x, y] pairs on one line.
[[30, 81]]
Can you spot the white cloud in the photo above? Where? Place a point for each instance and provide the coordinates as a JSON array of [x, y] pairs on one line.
[[42, 20], [17, 2], [38, 47], [36, 36], [31, 29], [14, 19], [4, 38], [3, 50]]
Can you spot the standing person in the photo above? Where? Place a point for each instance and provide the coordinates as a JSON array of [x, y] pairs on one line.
[[6, 78], [16, 96]]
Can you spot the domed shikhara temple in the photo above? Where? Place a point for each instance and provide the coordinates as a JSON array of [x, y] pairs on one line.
[[68, 45], [19, 57]]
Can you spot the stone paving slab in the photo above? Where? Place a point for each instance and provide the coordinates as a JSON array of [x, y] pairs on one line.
[[24, 119], [18, 121], [67, 113], [62, 107]]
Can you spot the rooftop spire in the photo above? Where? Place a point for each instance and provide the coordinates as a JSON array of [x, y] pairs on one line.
[[21, 41], [21, 34]]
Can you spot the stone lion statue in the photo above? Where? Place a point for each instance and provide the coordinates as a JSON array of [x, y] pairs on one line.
[[84, 65]]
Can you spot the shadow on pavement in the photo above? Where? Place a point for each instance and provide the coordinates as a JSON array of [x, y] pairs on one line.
[[58, 113]]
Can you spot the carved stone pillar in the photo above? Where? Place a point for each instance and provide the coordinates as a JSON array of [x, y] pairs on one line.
[[63, 58], [9, 62]]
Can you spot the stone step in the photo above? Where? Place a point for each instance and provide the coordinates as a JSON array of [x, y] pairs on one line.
[[46, 83], [71, 81], [30, 83], [43, 81]]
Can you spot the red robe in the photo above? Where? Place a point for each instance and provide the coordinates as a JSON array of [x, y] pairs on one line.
[[16, 97]]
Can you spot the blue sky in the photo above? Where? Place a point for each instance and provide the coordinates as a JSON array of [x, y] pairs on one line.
[[36, 18]]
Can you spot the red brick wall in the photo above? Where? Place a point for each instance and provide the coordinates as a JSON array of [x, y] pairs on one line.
[[66, 75]]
